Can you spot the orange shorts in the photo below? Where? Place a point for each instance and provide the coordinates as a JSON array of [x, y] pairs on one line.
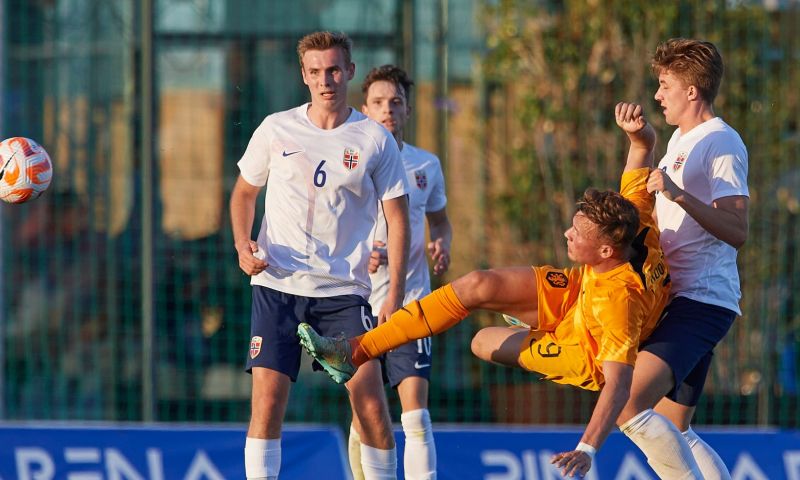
[[555, 349]]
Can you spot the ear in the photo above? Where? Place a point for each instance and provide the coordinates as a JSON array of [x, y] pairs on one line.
[[606, 251], [692, 93], [364, 109], [303, 74], [351, 71]]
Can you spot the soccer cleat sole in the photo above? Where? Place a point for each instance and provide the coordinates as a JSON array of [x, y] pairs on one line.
[[515, 322], [305, 332]]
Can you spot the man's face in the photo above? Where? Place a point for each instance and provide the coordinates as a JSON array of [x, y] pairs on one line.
[[583, 241], [326, 73], [386, 104], [673, 96]]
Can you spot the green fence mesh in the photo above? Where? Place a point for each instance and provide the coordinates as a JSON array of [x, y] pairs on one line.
[[132, 238]]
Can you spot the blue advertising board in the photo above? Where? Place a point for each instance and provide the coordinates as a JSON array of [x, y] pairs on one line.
[[159, 453], [509, 453], [167, 452]]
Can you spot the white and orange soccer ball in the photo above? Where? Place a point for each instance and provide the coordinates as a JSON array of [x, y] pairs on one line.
[[25, 170]]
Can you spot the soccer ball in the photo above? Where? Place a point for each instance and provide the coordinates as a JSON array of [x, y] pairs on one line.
[[25, 170]]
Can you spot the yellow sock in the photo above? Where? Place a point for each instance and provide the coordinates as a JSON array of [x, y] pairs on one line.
[[431, 315]]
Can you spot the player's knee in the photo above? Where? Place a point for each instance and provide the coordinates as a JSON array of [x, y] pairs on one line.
[[479, 347], [475, 288], [371, 410]]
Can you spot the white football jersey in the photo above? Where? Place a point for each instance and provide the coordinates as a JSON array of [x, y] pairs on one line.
[[321, 201], [709, 162], [426, 194]]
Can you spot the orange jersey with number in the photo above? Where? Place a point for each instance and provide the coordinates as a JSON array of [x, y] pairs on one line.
[[587, 318]]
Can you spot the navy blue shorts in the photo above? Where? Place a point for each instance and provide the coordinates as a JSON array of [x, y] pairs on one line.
[[276, 315], [412, 359], [685, 339]]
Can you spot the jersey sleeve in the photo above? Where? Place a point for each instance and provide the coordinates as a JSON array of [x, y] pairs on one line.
[[389, 176], [728, 174], [623, 314], [633, 186], [254, 164], [437, 199]]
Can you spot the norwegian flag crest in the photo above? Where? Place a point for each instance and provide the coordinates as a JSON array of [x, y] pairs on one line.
[[679, 162], [255, 346], [422, 179], [350, 159]]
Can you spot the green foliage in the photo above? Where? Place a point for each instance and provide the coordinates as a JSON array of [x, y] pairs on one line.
[[558, 69]]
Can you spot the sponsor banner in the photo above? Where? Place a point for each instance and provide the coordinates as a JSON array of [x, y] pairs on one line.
[[165, 452], [513, 453]]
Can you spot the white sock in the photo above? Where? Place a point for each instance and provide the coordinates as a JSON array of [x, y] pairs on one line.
[[354, 454], [378, 464], [262, 458], [663, 445], [419, 460], [710, 464]]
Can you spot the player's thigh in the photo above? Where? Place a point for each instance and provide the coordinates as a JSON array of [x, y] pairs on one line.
[[499, 344], [269, 398], [652, 379], [366, 386], [509, 290], [413, 393], [273, 331]]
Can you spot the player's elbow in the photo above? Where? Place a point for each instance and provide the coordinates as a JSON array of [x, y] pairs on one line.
[[739, 239]]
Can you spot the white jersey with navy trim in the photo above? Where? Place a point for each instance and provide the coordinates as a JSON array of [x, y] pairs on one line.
[[426, 194], [321, 201], [709, 162]]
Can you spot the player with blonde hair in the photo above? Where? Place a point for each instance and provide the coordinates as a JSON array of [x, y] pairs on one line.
[[326, 168], [701, 207], [585, 323]]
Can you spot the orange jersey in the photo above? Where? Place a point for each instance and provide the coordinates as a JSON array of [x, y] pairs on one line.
[[587, 318]]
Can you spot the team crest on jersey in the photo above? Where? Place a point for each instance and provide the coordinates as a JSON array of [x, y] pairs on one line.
[[679, 162], [421, 178], [350, 158], [255, 346], [556, 279]]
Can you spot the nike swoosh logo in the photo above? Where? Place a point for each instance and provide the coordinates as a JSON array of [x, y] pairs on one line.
[[285, 154], [418, 365]]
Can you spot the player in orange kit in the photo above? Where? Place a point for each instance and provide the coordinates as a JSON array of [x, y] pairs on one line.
[[585, 323]]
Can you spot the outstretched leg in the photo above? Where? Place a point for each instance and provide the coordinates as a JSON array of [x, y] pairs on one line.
[[508, 290]]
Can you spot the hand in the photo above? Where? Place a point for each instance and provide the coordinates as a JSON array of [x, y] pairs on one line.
[[390, 305], [378, 257], [630, 117], [440, 255], [573, 462], [248, 262], [658, 181]]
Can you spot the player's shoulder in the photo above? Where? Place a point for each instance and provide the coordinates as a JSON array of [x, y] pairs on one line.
[[417, 152], [282, 117], [367, 125], [415, 155]]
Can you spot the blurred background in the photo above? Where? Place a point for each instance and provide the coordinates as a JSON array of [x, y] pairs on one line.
[[120, 294]]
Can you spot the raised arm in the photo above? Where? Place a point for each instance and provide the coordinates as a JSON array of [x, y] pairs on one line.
[[396, 213], [630, 118]]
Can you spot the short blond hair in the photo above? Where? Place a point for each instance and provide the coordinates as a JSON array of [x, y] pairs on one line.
[[695, 62], [324, 41]]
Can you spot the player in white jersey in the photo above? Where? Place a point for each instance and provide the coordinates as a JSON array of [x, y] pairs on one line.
[[701, 209], [326, 168], [386, 99]]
